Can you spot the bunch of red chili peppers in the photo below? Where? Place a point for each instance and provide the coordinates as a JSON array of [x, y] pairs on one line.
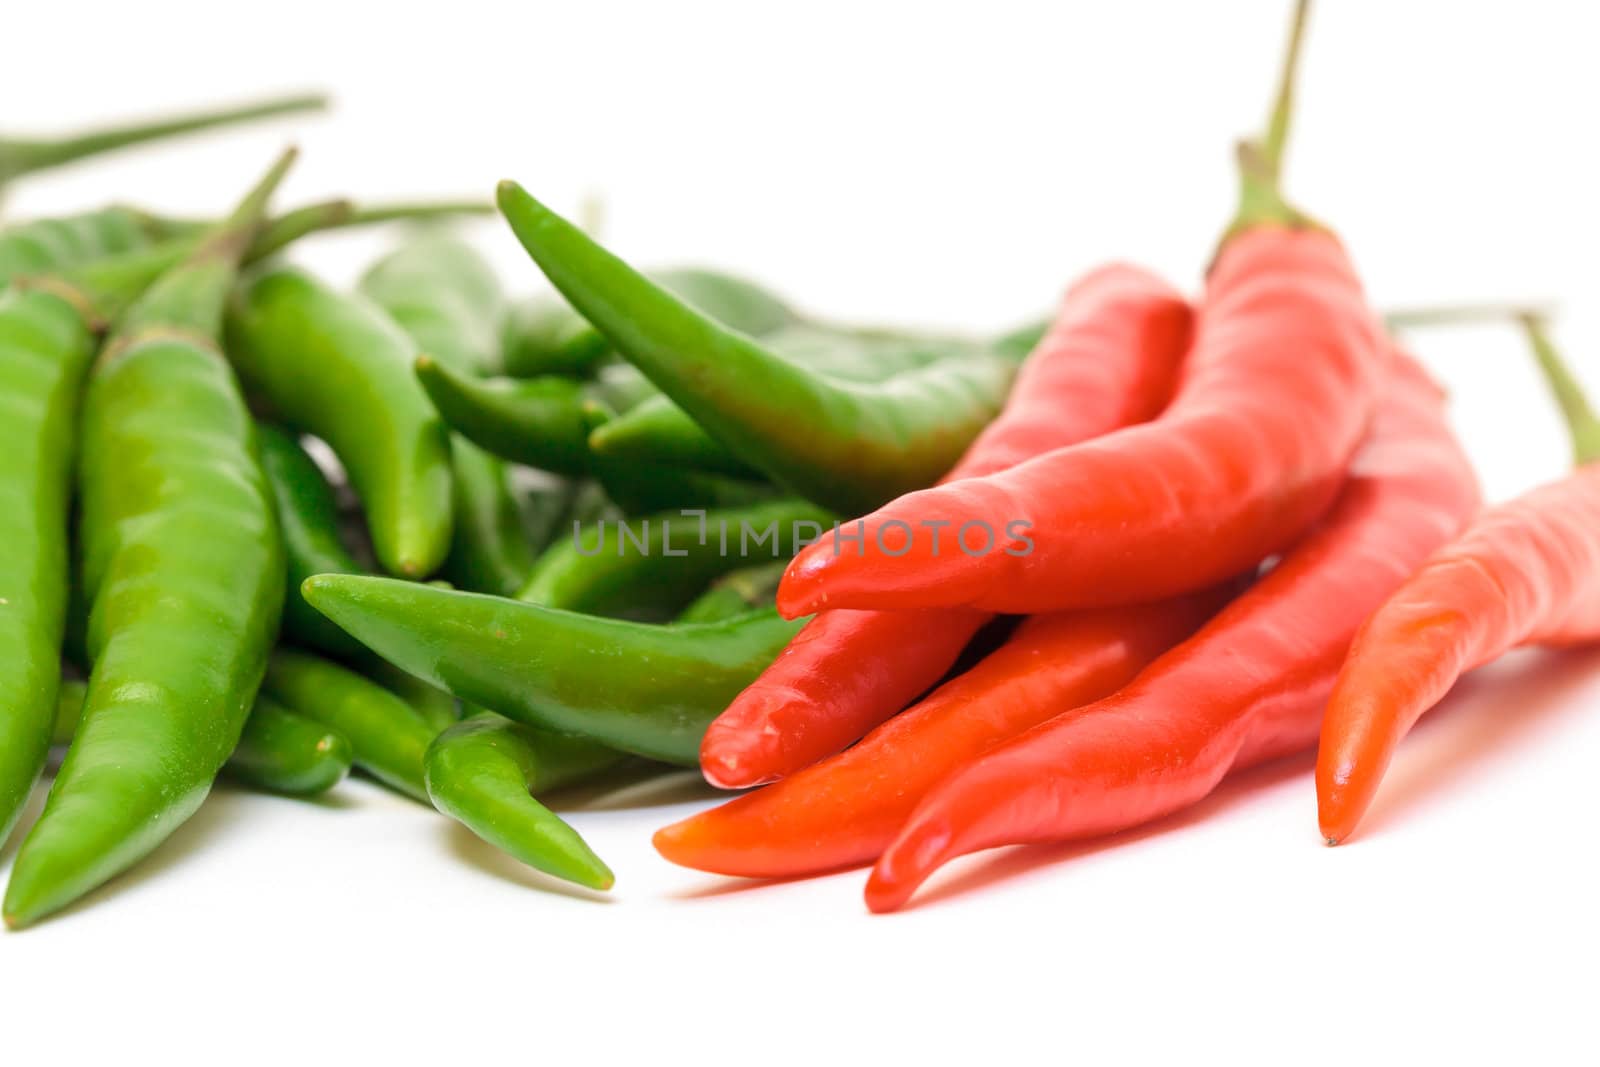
[[1234, 529]]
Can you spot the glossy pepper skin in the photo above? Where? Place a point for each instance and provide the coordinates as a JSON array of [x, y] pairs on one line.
[[45, 349], [445, 296], [539, 422], [544, 335], [1277, 392], [1250, 686], [641, 688], [333, 365], [278, 751], [658, 563], [388, 738], [846, 810], [308, 519], [484, 773], [184, 571], [23, 156], [1526, 572], [655, 429], [1108, 360], [492, 547], [844, 445]]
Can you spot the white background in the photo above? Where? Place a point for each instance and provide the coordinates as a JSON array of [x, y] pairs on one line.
[[952, 164]]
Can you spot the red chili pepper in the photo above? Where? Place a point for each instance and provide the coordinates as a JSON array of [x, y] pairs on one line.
[[1108, 361], [1525, 572], [845, 810], [1277, 393], [1250, 686]]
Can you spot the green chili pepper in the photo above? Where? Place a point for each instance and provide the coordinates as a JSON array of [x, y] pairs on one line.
[[544, 335], [447, 299], [386, 734], [490, 551], [483, 773], [184, 571], [659, 431], [282, 751], [279, 751], [658, 563], [20, 156], [643, 688], [445, 296], [309, 520], [45, 348], [646, 488], [308, 517], [539, 422], [44, 246], [736, 593], [433, 705], [336, 366], [849, 446]]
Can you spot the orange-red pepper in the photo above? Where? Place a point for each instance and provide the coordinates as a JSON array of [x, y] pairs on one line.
[[1249, 686], [1276, 394], [1525, 572], [1109, 360], [845, 810]]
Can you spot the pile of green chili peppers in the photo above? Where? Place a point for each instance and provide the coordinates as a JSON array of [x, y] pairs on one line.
[[261, 527]]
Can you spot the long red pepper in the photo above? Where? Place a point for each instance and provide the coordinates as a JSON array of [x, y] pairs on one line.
[[1525, 572], [845, 810], [1109, 360], [1276, 395], [1251, 685]]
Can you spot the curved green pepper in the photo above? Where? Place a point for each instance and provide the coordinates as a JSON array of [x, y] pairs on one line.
[[539, 422], [544, 335], [282, 751], [45, 348], [387, 735], [445, 296], [491, 550], [658, 430], [660, 562], [279, 751], [558, 670], [483, 773], [308, 517], [336, 366], [849, 446], [184, 570], [448, 300]]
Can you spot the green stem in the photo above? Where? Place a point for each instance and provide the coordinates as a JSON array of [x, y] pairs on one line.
[[191, 295], [1260, 162], [1272, 145], [23, 156], [342, 214], [1409, 318], [1582, 423]]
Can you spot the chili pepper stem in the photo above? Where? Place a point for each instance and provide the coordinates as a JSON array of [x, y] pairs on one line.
[[1261, 162], [25, 156], [1418, 317], [1582, 423]]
